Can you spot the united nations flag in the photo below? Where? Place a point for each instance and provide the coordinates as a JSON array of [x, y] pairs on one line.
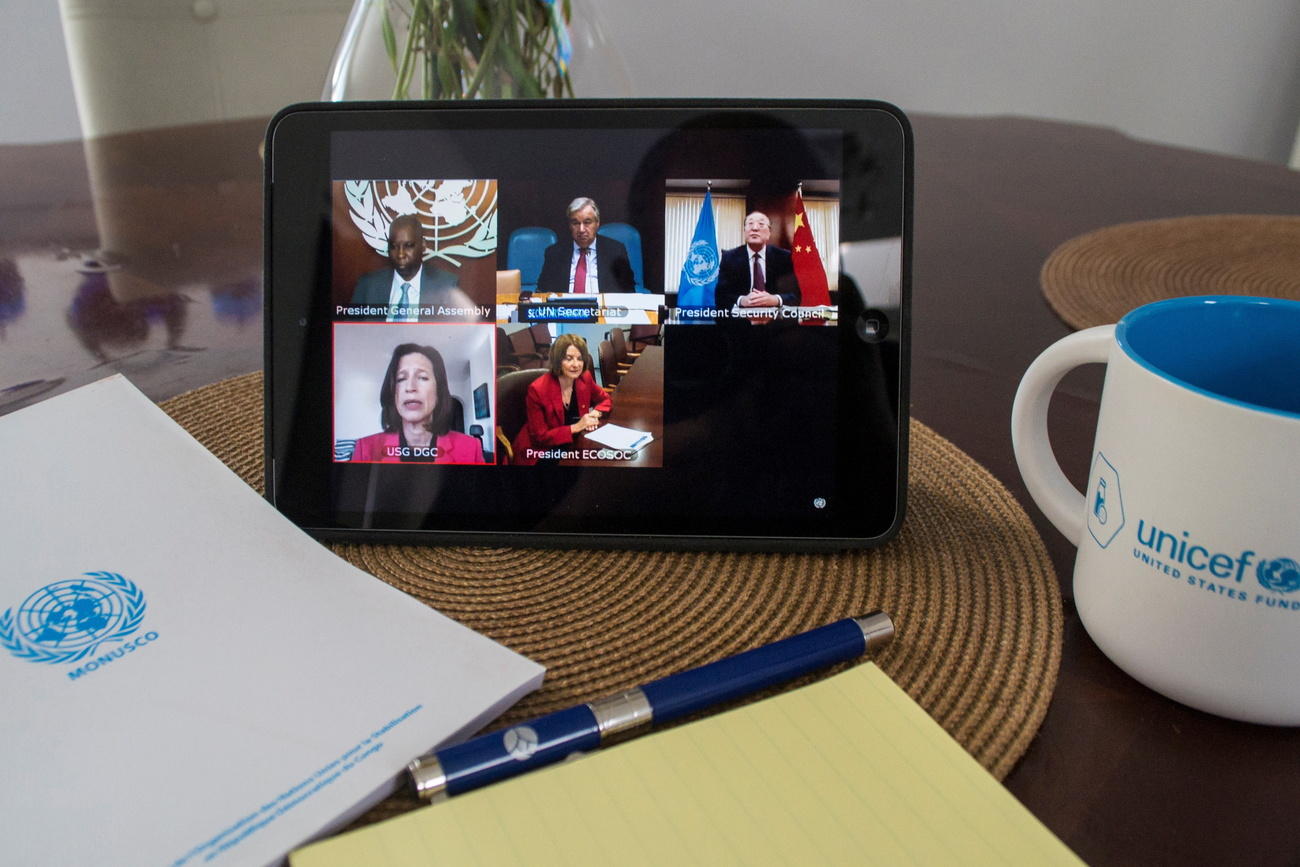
[[699, 278]]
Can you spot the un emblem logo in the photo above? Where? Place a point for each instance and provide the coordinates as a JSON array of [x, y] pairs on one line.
[[69, 620], [701, 264], [1281, 575], [458, 217], [520, 742]]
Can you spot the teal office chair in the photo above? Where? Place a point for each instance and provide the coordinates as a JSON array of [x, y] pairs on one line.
[[629, 237], [524, 251]]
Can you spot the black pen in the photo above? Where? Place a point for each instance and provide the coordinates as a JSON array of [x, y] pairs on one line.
[[550, 738]]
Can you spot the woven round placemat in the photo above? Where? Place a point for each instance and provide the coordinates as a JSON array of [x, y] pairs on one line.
[[1096, 278], [968, 582]]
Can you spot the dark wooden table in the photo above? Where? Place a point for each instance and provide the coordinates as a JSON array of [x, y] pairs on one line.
[[638, 404], [1121, 774]]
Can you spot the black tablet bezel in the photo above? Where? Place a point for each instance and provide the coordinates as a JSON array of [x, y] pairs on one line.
[[297, 358]]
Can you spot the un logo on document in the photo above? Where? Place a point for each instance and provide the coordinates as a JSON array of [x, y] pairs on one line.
[[701, 264], [1105, 505], [68, 620], [1281, 575]]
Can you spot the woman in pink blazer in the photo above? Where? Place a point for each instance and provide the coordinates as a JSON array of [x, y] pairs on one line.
[[415, 411]]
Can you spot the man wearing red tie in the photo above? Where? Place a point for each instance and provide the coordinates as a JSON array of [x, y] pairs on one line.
[[755, 274], [591, 263]]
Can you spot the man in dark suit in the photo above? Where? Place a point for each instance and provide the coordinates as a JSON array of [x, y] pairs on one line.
[[754, 274], [411, 283], [590, 263]]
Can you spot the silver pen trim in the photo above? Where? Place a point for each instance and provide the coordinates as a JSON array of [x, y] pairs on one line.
[[877, 628], [620, 712], [429, 778]]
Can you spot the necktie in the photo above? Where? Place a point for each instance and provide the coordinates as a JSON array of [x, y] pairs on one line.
[[760, 285], [580, 273], [400, 314]]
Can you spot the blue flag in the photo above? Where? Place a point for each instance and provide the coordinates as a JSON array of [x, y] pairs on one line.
[[700, 270]]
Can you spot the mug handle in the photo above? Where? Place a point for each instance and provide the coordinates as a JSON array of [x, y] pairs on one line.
[[1061, 501]]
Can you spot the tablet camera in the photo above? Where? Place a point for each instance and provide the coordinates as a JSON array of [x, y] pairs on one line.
[[872, 326]]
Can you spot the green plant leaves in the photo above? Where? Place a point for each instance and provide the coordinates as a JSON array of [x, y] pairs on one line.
[[461, 49]]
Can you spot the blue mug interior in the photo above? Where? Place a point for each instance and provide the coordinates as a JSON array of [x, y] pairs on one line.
[[1238, 349]]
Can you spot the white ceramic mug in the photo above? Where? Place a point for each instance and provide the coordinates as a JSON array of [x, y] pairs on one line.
[[1188, 570]]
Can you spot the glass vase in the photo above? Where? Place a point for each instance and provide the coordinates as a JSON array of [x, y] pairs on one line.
[[461, 49]]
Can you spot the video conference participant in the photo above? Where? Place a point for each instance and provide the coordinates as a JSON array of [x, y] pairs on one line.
[[411, 283], [415, 411], [590, 263], [562, 403], [756, 274]]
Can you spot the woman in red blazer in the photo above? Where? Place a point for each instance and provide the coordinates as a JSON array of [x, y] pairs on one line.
[[415, 411], [561, 403]]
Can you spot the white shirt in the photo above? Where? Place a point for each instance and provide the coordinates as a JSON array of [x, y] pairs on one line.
[[412, 297], [593, 283]]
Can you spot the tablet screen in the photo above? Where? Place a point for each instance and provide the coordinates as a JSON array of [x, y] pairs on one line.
[[628, 321]]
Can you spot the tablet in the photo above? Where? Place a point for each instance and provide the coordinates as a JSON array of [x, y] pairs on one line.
[[679, 323]]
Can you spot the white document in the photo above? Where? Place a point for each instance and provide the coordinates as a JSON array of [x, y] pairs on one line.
[[629, 308], [572, 296], [632, 300], [623, 439], [187, 677]]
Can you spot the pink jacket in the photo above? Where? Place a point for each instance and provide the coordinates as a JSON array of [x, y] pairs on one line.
[[453, 448]]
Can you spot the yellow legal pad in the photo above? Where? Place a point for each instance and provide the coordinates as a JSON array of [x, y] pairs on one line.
[[848, 770]]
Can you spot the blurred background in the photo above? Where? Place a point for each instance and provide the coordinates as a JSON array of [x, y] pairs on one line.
[[1211, 76]]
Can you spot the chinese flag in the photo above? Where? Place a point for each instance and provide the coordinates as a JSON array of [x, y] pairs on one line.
[[808, 270]]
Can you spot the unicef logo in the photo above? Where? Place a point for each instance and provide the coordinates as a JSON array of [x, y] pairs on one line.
[[69, 620], [701, 264], [1105, 502], [1280, 575]]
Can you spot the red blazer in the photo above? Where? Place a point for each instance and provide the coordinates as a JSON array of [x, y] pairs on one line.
[[453, 448], [546, 427]]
